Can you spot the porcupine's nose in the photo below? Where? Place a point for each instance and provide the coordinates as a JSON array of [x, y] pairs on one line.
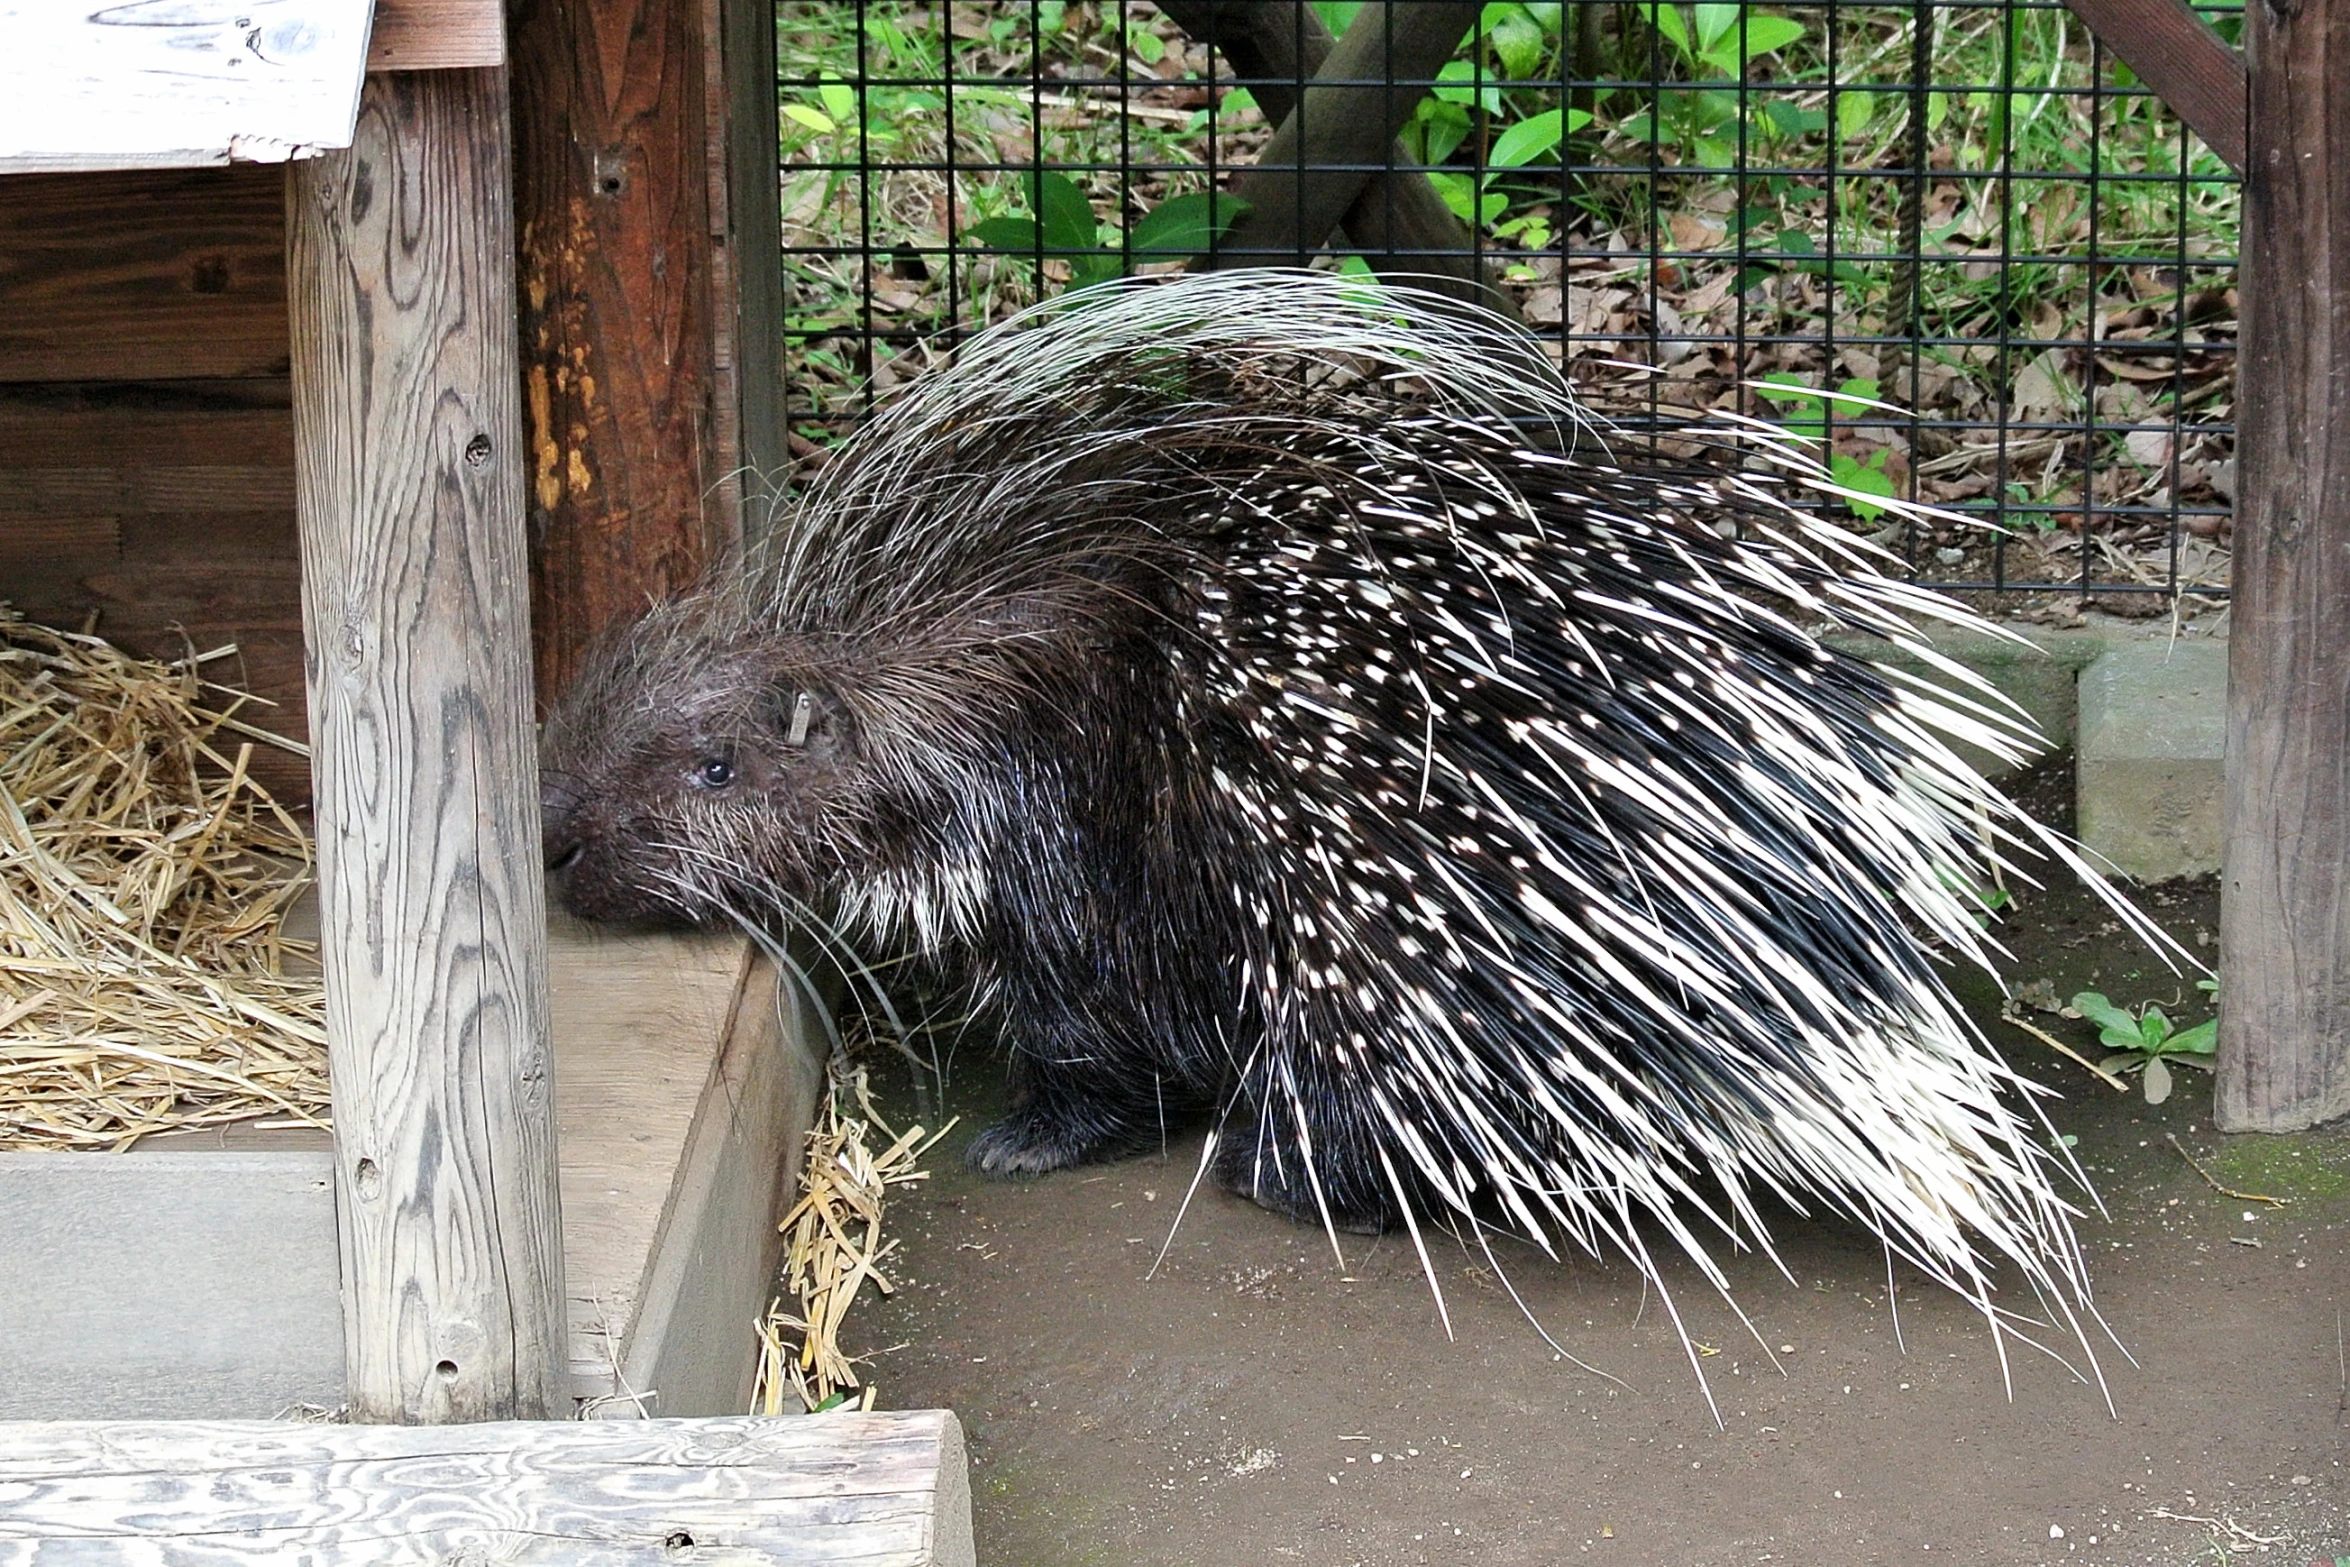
[[558, 818]]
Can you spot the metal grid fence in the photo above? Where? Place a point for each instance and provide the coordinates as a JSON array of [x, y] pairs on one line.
[[1957, 242]]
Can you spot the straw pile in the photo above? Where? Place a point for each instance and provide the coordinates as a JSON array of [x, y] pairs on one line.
[[144, 982], [834, 1245]]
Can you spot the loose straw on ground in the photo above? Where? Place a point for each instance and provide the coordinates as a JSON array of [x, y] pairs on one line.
[[833, 1246], [144, 875]]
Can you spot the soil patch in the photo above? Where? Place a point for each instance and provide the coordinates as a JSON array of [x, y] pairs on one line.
[[1256, 1400]]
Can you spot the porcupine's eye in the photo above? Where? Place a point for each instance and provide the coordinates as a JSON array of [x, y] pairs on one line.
[[716, 772]]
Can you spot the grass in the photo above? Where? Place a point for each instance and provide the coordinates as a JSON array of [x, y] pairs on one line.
[[1719, 192]]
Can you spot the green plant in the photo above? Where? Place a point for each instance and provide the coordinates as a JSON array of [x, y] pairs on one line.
[[2147, 1041], [1715, 42], [1060, 223], [1807, 415]]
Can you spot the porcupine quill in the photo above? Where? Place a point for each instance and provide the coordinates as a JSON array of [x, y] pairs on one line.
[[1271, 692]]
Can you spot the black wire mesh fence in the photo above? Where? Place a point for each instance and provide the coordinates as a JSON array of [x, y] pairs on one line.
[[1957, 243]]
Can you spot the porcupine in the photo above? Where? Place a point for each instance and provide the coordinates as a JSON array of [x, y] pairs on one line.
[[1288, 712]]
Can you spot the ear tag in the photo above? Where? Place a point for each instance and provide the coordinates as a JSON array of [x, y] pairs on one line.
[[802, 708]]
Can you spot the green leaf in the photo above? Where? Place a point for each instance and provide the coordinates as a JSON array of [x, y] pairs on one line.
[[1638, 127], [1183, 225], [1868, 478], [1148, 46], [1714, 22], [1853, 110], [2153, 1027], [840, 100], [1003, 234], [1667, 20], [1789, 120], [1769, 35], [2093, 1006], [1529, 139], [1066, 215], [2201, 1040], [1337, 15], [1461, 72], [813, 118], [2157, 1082], [1443, 127], [1517, 39], [1785, 386]]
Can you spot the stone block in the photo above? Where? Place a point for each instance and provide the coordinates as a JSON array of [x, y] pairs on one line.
[[2153, 730]]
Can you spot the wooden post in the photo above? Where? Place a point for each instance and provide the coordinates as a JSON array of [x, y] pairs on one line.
[[2284, 1030], [645, 188], [415, 612]]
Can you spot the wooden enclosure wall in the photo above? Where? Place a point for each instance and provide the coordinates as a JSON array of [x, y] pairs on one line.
[[146, 442], [146, 438]]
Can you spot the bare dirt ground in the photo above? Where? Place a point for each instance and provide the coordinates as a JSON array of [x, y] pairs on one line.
[[1256, 1401]]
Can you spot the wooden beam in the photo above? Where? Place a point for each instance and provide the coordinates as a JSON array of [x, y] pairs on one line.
[[408, 471], [1325, 154], [613, 199], [437, 35], [2190, 67], [2284, 1022], [872, 1490], [1397, 221]]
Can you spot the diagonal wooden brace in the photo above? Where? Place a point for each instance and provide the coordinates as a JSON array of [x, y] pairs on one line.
[[2190, 67], [1331, 168]]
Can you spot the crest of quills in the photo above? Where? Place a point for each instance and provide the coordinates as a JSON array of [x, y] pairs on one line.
[[1273, 695]]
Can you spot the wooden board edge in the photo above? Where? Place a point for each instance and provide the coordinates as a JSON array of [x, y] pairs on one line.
[[437, 35], [691, 1349], [951, 1540]]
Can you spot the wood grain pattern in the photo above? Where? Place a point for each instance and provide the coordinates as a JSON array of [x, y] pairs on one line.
[[1397, 220], [436, 35], [746, 265], [612, 194], [876, 1490], [155, 84], [714, 1266], [2190, 67], [143, 276], [408, 454], [2284, 1034]]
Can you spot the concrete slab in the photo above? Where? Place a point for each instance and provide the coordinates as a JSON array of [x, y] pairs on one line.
[[2038, 670], [2153, 730], [160, 1284]]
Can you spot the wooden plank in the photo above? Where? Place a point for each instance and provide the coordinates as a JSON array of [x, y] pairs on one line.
[[436, 35], [143, 276], [173, 487], [613, 200], [2284, 1032], [2190, 67], [877, 1490], [432, 904], [639, 1020], [168, 432], [714, 1267], [161, 84], [167, 1283]]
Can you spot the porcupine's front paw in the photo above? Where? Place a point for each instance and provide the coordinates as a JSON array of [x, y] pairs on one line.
[[1026, 1143]]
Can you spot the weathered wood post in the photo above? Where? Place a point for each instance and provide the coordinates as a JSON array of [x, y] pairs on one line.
[[2284, 1031], [415, 614]]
